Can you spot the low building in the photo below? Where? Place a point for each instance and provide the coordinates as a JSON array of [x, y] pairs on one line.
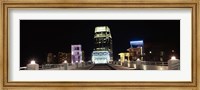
[[125, 56]]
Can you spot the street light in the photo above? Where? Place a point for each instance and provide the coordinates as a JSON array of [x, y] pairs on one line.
[[150, 52], [32, 62], [173, 58], [76, 64], [65, 61], [172, 50]]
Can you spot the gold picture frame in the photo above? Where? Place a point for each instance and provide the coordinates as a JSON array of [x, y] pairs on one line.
[[6, 4]]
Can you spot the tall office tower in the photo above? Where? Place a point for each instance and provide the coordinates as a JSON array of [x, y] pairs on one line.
[[102, 52], [76, 54]]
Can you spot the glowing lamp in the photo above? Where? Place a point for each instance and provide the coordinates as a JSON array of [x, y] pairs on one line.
[[173, 58], [65, 61], [138, 59], [161, 68], [33, 62]]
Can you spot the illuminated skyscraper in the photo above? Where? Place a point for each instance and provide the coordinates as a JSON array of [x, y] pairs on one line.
[[76, 54], [102, 52]]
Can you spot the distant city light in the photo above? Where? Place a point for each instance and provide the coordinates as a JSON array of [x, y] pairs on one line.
[[150, 52], [65, 61], [161, 68], [172, 50], [82, 61], [32, 62], [173, 58], [138, 59]]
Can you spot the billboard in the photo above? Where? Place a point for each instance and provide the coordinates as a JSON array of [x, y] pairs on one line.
[[136, 43]]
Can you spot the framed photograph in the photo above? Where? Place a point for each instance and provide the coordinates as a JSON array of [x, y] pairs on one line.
[[98, 44]]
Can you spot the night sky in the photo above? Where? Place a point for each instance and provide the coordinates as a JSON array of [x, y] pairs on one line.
[[38, 37]]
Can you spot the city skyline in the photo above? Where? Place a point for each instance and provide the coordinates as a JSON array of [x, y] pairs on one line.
[[39, 37]]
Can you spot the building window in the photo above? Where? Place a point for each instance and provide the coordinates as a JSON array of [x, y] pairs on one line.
[[76, 48]]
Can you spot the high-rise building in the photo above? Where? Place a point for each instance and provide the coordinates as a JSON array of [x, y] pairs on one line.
[[76, 54], [102, 52]]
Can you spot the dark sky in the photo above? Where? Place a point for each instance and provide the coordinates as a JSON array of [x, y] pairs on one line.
[[38, 37]]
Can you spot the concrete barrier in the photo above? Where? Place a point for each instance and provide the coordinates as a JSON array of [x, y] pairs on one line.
[[32, 67], [174, 64]]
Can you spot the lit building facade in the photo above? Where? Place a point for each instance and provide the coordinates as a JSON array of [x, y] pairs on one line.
[[61, 57], [124, 57], [102, 52], [76, 54], [136, 50]]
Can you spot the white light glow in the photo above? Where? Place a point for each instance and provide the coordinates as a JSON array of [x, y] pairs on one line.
[[172, 50], [160, 68], [33, 62], [65, 61], [173, 58], [150, 52], [138, 59]]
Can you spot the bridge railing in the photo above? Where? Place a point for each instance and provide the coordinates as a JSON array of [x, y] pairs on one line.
[[151, 65], [158, 63], [51, 66]]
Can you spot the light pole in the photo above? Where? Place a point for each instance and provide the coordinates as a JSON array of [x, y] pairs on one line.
[[33, 65], [32, 62], [173, 58], [138, 64], [76, 64], [173, 63], [65, 65]]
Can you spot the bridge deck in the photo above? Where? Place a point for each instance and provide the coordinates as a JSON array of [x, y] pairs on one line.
[[101, 67]]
